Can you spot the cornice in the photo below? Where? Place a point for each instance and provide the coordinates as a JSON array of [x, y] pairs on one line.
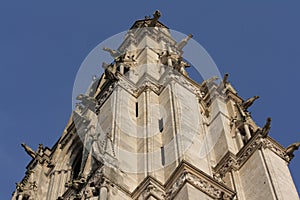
[[235, 162], [148, 82], [135, 36], [149, 187], [187, 173], [183, 174]]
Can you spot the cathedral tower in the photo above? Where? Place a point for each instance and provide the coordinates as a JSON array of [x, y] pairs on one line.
[[146, 130]]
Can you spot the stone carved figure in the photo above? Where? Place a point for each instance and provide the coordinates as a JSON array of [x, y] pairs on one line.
[[131, 58], [249, 102], [290, 149], [210, 80], [76, 184], [156, 16], [218, 177], [112, 52], [166, 58], [225, 80], [91, 193], [40, 149], [110, 71], [265, 130], [181, 65], [28, 150], [87, 101], [183, 42], [206, 83]]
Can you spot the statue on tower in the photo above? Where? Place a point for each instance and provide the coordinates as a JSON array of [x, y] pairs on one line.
[[112, 52], [181, 65], [290, 149], [183, 42], [29, 150], [110, 71], [156, 16], [265, 130], [249, 102]]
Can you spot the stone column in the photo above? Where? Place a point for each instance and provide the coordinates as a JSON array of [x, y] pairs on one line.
[[56, 184], [103, 193], [20, 197], [162, 69], [104, 190], [50, 187], [174, 113], [169, 57], [62, 181], [247, 131], [121, 68], [148, 139], [169, 62], [239, 138]]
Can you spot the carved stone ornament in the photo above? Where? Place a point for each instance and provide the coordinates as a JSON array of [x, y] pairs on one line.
[[202, 183], [148, 85], [136, 90], [26, 184], [151, 190], [276, 148], [235, 162], [149, 187]]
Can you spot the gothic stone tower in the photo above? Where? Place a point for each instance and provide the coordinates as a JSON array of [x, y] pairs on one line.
[[145, 130]]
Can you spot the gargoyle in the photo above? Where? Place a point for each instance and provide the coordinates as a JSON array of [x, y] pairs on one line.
[[112, 52], [28, 150], [183, 42], [249, 102], [110, 71], [212, 79], [76, 184], [204, 85], [265, 130], [290, 149]]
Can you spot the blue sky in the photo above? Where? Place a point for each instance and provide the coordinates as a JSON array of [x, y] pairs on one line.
[[42, 45]]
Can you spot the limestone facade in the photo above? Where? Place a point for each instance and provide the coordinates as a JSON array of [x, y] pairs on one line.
[[148, 131]]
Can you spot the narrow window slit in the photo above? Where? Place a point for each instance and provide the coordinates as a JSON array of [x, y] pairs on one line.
[[136, 109], [162, 151], [161, 125]]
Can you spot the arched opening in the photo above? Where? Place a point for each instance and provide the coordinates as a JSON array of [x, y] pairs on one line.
[[76, 166], [242, 132]]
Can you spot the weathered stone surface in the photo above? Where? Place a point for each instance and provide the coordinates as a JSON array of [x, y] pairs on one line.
[[153, 133]]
